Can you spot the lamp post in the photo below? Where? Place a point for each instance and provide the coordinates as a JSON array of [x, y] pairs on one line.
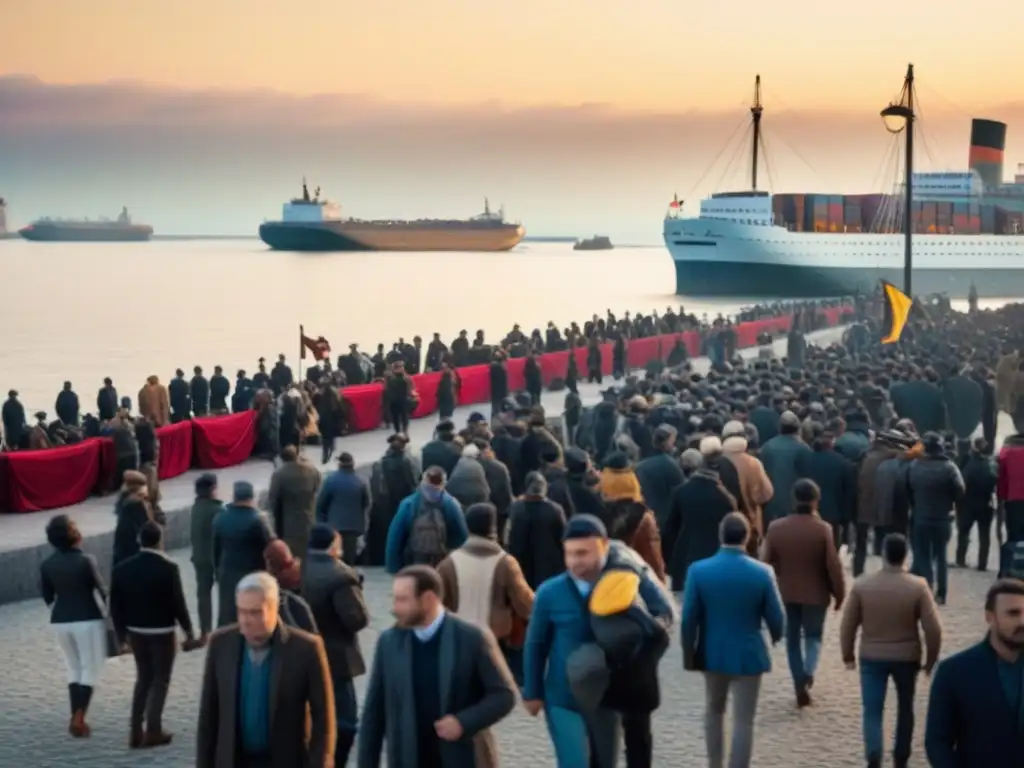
[[900, 117]]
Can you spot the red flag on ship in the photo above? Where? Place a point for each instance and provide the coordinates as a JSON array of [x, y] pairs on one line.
[[319, 347], [675, 201]]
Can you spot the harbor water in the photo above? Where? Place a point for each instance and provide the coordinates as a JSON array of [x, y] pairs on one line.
[[83, 311]]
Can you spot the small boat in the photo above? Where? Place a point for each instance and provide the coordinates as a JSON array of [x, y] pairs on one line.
[[595, 243]]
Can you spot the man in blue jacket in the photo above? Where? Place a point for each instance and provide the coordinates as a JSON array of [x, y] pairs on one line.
[[344, 504], [427, 526], [727, 599], [976, 706], [560, 624]]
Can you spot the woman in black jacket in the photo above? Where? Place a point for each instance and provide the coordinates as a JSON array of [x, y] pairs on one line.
[[133, 511], [70, 584]]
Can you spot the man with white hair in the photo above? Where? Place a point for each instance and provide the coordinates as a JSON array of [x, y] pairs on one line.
[[265, 687]]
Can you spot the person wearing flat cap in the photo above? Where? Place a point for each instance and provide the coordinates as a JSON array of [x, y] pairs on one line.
[[560, 626]]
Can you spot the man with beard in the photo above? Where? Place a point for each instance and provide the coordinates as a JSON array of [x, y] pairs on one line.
[[977, 698], [413, 661]]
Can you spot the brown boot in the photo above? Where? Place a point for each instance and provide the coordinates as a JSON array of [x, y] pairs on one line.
[[78, 727], [158, 739]]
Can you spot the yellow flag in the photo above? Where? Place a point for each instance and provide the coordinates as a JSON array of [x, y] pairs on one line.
[[897, 310]]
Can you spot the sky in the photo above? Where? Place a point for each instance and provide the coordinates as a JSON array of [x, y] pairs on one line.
[[580, 117]]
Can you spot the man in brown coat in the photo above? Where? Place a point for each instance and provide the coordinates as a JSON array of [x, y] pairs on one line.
[[483, 584], [800, 549], [292, 499], [755, 486], [154, 402], [266, 699], [890, 607]]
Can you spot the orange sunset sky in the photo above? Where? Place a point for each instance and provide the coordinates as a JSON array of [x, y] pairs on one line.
[[579, 116]]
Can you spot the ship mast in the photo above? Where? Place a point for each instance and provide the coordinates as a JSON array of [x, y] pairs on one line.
[[755, 113]]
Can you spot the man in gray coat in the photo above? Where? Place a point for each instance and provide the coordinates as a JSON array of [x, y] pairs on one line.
[[428, 652], [292, 499], [344, 504], [240, 534]]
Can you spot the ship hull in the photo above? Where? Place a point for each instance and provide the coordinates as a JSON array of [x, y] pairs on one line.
[[70, 234], [346, 236], [722, 259]]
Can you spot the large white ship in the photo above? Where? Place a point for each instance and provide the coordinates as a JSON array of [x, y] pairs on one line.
[[967, 230]]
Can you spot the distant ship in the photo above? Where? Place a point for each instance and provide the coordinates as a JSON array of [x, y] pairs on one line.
[[87, 231], [595, 243], [967, 229], [4, 234], [311, 224]]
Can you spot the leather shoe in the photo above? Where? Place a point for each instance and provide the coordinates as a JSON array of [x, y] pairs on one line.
[[158, 739]]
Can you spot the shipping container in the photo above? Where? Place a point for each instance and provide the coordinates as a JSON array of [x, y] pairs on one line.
[[929, 211], [835, 214], [962, 208], [960, 222], [943, 210], [851, 214]]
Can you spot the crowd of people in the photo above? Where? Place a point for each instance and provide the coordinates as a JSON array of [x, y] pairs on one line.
[[314, 410], [552, 567]]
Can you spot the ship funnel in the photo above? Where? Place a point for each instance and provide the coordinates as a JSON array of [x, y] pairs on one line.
[[988, 140]]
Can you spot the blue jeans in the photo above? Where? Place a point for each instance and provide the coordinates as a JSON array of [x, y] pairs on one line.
[[806, 623], [874, 683], [930, 542], [569, 736]]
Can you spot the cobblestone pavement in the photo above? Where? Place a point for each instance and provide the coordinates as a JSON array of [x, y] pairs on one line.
[[33, 709]]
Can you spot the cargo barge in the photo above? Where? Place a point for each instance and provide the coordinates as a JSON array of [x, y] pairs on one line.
[[121, 230], [967, 230], [309, 223]]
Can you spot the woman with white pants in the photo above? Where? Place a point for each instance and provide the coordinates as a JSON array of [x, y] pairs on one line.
[[70, 584]]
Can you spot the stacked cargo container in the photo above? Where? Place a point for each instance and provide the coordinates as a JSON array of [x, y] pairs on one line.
[[835, 213], [852, 217], [816, 213]]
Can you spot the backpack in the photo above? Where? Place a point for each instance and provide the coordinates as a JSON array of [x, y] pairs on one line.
[[428, 535], [1011, 560]]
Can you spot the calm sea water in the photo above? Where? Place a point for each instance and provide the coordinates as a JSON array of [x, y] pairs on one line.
[[81, 311]]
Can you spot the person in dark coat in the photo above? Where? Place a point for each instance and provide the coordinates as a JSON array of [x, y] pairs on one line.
[[989, 408], [922, 402], [856, 438], [765, 419], [67, 407], [106, 401], [335, 593], [537, 442], [975, 706], [660, 475], [691, 530], [344, 503], [204, 511], [582, 483], [448, 386], [557, 478], [199, 391], [836, 478], [506, 442], [220, 389], [180, 397], [133, 511], [534, 378], [498, 480], [978, 504], [442, 451], [437, 686], [13, 417], [330, 418], [498, 382], [964, 403], [241, 533], [536, 526], [395, 477], [779, 456]]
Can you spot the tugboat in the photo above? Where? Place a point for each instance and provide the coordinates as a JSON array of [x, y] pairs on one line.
[[595, 243], [86, 231], [4, 234], [309, 223]]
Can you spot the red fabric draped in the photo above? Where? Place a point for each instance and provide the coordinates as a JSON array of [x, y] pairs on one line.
[[223, 441], [59, 477], [175, 450], [52, 478]]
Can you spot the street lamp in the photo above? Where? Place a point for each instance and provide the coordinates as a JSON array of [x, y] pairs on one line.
[[899, 117]]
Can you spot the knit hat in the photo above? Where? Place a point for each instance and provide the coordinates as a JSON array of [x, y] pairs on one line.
[[691, 459], [585, 527], [617, 460], [789, 419], [476, 417], [243, 491], [734, 429], [321, 536], [710, 445]]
